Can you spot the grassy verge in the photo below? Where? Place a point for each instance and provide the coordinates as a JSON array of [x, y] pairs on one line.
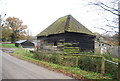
[[0, 45], [8, 46], [70, 71]]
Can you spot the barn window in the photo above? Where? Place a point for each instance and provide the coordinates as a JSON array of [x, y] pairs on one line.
[[55, 43]]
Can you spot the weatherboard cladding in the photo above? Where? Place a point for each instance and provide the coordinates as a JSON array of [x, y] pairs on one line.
[[65, 24]]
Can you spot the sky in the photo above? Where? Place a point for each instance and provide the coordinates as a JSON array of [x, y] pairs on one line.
[[39, 14]]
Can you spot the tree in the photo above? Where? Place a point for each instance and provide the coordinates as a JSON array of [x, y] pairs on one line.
[[5, 34], [109, 7], [14, 29]]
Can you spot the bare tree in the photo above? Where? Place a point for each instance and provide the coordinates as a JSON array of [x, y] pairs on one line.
[[111, 7]]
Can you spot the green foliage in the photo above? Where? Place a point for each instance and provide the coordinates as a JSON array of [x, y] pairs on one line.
[[89, 63], [23, 52], [9, 46], [85, 62], [72, 70], [107, 56], [13, 30], [111, 69], [69, 61], [108, 75]]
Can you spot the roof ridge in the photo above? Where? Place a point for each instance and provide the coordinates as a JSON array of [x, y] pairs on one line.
[[67, 22]]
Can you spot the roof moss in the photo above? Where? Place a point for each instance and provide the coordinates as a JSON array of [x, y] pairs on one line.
[[66, 23]]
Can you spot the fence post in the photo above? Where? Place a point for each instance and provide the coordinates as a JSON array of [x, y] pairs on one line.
[[102, 66], [76, 61], [97, 67]]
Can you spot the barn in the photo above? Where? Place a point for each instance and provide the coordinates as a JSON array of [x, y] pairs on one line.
[[66, 32], [24, 44]]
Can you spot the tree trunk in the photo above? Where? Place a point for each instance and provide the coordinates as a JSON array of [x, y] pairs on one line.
[[12, 38]]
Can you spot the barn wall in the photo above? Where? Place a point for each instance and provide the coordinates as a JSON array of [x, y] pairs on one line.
[[48, 42], [83, 41]]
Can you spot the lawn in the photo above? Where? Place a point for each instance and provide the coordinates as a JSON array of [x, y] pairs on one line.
[[8, 46]]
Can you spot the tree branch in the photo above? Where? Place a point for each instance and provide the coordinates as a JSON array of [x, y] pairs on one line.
[[106, 30], [109, 7], [105, 7], [112, 26]]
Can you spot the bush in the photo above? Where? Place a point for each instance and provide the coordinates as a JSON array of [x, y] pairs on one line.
[[89, 63], [55, 58], [111, 69], [69, 61]]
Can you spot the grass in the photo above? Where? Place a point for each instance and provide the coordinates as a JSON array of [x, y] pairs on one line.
[[8, 46], [23, 52], [72, 71], [116, 59], [0, 45]]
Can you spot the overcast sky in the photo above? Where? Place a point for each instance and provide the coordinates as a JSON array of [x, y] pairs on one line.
[[39, 14]]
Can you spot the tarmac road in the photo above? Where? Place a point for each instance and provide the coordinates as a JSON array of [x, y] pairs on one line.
[[13, 68], [0, 65]]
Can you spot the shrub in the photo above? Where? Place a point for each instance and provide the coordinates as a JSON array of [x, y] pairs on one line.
[[111, 69], [89, 63], [69, 61]]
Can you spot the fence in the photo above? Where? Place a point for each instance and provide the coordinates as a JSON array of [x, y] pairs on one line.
[[95, 62], [86, 62], [111, 61]]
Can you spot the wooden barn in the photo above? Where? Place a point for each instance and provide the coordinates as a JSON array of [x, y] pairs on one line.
[[24, 44], [66, 32]]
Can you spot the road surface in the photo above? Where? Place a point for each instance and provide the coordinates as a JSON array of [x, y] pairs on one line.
[[0, 65], [13, 68]]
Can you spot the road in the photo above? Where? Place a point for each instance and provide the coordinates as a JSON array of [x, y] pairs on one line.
[[13, 68], [0, 65]]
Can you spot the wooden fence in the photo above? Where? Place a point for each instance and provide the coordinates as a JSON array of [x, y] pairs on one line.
[[103, 60]]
